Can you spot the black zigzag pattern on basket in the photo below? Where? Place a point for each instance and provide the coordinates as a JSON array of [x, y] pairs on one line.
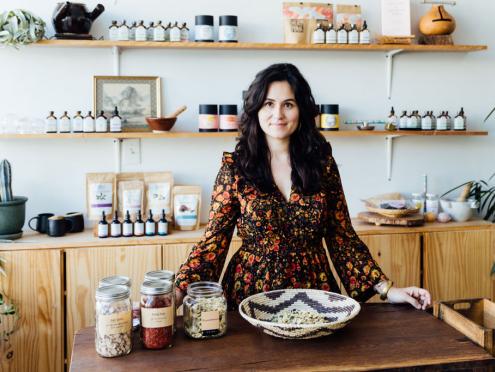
[[316, 333], [303, 297], [273, 295]]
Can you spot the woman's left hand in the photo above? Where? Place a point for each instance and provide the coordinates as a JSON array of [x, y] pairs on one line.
[[418, 297]]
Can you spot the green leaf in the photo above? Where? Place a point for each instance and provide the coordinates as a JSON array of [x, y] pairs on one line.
[[490, 114], [456, 188]]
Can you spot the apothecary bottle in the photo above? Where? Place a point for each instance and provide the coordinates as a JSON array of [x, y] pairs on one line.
[[331, 35], [205, 311], [364, 34], [64, 123], [157, 314], [432, 203], [51, 123], [113, 314]]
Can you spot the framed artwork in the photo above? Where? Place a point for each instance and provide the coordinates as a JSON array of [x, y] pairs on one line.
[[136, 97]]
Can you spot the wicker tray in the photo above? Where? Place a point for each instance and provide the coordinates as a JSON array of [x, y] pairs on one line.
[[373, 205]]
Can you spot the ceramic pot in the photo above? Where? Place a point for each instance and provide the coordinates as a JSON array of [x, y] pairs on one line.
[[437, 22], [12, 216]]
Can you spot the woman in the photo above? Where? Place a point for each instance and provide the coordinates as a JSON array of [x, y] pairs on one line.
[[282, 189]]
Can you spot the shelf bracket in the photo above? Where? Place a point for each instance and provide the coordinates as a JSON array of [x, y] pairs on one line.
[[116, 60], [117, 149], [390, 153], [390, 68]]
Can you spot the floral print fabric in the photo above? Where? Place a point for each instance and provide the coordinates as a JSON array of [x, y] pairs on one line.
[[282, 241]]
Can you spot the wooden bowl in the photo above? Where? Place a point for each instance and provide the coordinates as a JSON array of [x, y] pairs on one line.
[[160, 125]]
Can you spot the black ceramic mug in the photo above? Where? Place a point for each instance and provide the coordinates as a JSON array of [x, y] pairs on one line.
[[58, 226], [41, 222], [77, 220]]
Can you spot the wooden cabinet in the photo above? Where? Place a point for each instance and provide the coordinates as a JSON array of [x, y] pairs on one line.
[[86, 266], [457, 264], [399, 256], [34, 282]]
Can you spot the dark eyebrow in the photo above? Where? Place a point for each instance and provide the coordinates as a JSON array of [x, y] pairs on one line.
[[287, 100]]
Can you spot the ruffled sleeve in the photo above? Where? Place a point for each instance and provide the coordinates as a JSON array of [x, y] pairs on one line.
[[352, 260], [206, 260]]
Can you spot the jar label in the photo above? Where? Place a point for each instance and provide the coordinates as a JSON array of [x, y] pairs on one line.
[[329, 121], [227, 33], [138, 229], [229, 122], [114, 324], [116, 229], [157, 318], [331, 37], [203, 32], [210, 320], [127, 229], [100, 198], [102, 231], [101, 124], [208, 121]]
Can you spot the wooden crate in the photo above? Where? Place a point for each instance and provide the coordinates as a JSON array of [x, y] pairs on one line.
[[475, 318]]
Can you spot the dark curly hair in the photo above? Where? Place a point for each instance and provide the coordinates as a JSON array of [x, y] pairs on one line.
[[308, 148]]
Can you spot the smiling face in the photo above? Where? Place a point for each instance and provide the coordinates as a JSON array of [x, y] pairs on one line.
[[279, 115]]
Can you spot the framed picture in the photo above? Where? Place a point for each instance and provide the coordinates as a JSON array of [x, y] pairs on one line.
[[136, 97]]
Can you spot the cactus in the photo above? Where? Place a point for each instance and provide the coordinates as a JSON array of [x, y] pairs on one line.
[[5, 181]]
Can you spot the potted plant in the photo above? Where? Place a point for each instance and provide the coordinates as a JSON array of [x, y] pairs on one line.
[[8, 321], [20, 27], [12, 208]]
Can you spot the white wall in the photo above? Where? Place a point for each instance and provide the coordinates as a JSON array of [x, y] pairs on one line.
[[51, 172]]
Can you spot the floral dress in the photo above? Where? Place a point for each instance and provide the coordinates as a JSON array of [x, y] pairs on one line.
[[282, 241]]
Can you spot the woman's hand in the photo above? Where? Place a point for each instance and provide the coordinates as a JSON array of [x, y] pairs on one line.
[[418, 297]]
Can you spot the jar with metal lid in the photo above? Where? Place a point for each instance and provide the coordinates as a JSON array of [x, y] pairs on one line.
[[157, 314], [432, 203], [205, 310], [113, 314], [115, 280], [166, 275], [418, 200], [203, 29], [227, 30]]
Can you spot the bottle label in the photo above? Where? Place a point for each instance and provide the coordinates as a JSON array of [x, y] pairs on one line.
[[150, 228], [132, 34], [403, 122], [319, 36], [51, 125], [159, 197], [186, 210], [442, 123], [210, 320], [115, 124], [184, 35], [127, 227], [77, 124], [342, 37], [426, 123], [101, 198], [157, 318], [353, 37], [329, 121], [229, 122], [331, 37], [123, 33], [203, 32], [208, 121], [162, 228], [114, 324], [102, 230], [139, 228], [88, 125], [227, 33], [64, 125], [116, 229], [364, 37], [113, 33], [459, 123], [141, 34], [175, 34], [159, 34], [101, 124]]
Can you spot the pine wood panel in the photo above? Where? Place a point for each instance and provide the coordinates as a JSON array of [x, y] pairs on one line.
[[399, 256], [341, 133], [34, 283], [250, 46], [457, 264], [84, 269]]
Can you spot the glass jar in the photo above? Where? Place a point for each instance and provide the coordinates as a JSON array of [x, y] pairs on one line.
[[418, 200], [157, 314], [115, 280], [432, 204], [205, 310], [167, 275], [113, 313]]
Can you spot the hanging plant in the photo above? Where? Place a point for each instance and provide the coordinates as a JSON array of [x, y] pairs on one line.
[[20, 27]]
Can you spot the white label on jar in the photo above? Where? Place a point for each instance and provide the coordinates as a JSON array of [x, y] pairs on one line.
[[132, 200], [77, 124], [51, 125], [203, 32], [101, 124], [159, 34], [150, 228], [342, 37], [64, 125], [331, 37], [364, 37], [328, 121], [318, 36], [353, 37], [229, 122], [100, 198], [113, 33], [139, 228], [208, 121], [132, 34], [412, 122], [159, 197], [459, 123], [184, 35], [162, 228], [127, 227], [175, 34], [426, 123], [114, 324], [157, 318], [210, 320], [103, 230], [403, 122], [442, 123], [123, 33], [116, 229], [88, 125], [115, 124], [141, 34], [185, 210], [227, 33]]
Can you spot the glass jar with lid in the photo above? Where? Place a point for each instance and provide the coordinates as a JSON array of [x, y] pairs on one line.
[[418, 200], [113, 314], [115, 280], [205, 310], [167, 275], [157, 314], [432, 204]]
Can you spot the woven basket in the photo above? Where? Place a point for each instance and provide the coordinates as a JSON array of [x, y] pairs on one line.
[[373, 205], [338, 310]]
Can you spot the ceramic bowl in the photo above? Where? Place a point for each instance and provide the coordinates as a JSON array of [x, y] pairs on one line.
[[459, 211], [160, 125], [337, 311]]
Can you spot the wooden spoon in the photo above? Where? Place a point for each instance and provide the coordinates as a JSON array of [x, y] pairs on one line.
[[177, 112]]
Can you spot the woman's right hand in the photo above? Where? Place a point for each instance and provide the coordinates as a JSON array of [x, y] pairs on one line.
[[179, 297]]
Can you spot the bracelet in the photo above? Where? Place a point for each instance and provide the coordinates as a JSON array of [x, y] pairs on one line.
[[383, 287]]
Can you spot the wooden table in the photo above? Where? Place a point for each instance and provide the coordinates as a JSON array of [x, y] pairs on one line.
[[383, 336]]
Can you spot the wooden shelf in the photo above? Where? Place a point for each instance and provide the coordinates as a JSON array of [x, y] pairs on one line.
[[341, 133], [252, 46]]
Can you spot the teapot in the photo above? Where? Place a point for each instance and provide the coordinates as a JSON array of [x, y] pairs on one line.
[[73, 19]]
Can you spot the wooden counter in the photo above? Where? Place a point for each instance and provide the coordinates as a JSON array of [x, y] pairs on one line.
[[381, 337]]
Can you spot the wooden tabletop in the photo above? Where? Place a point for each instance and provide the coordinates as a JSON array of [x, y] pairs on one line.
[[382, 336]]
